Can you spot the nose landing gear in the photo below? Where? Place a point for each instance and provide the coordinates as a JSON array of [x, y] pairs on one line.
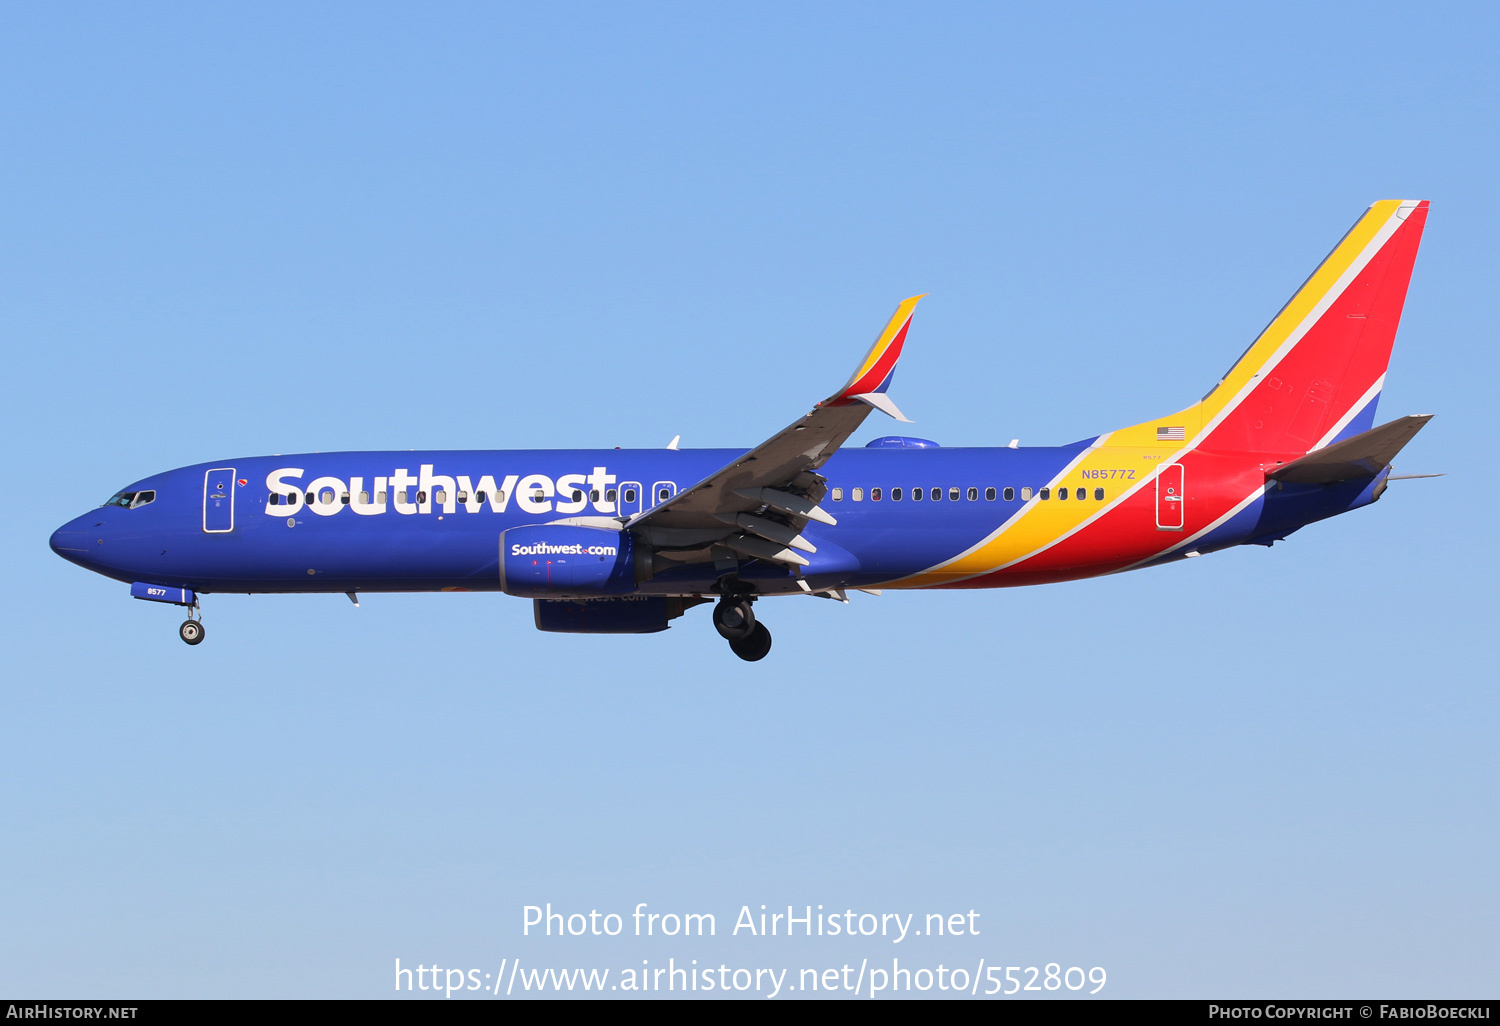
[[191, 630], [735, 621]]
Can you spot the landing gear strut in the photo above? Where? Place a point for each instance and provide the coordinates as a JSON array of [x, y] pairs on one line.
[[735, 621]]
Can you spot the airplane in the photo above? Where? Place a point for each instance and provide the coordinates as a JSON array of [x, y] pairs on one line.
[[617, 541]]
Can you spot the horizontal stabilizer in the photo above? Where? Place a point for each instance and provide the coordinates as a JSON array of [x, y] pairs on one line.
[[1364, 455]]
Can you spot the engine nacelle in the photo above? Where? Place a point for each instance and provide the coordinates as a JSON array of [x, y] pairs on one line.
[[628, 614], [543, 561]]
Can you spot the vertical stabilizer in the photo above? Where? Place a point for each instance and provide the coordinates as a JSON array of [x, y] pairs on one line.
[[1314, 375]]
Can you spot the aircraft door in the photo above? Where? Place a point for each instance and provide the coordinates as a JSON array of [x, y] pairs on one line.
[[1169, 498], [218, 500], [630, 498]]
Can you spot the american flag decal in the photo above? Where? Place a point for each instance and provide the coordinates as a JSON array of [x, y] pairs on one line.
[[1170, 434]]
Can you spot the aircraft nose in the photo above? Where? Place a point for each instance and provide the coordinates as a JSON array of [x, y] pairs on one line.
[[77, 539]]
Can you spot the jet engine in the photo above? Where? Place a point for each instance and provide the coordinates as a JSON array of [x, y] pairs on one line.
[[546, 561]]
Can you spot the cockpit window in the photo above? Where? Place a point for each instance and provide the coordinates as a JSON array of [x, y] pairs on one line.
[[131, 500]]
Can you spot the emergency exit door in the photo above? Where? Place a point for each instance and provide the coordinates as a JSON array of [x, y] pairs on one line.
[[1169, 498], [218, 500]]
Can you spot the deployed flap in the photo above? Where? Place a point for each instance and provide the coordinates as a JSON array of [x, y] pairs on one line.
[[1364, 455], [774, 489]]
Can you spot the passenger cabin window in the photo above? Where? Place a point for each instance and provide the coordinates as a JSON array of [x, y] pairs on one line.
[[857, 495], [1010, 495], [895, 495], [974, 494], [937, 493], [1082, 493], [916, 495], [989, 495], [1025, 494], [1062, 493], [1098, 494], [344, 499], [577, 495], [838, 495], [630, 495], [478, 496], [874, 494], [663, 495], [1046, 493], [611, 495], [364, 498]]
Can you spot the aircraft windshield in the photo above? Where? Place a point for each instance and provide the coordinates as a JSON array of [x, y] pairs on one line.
[[130, 500]]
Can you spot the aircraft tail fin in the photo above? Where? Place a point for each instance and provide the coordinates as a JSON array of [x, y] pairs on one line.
[[1314, 375]]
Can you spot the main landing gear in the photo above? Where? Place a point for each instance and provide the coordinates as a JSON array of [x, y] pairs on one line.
[[735, 621], [191, 630]]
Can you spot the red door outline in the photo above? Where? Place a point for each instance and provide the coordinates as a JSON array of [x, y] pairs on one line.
[[1169, 498]]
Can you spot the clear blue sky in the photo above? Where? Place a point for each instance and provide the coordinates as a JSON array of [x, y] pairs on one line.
[[231, 231]]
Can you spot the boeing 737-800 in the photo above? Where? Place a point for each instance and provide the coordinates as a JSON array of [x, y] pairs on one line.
[[613, 541]]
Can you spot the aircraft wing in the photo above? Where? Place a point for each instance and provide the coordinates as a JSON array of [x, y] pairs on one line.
[[757, 506]]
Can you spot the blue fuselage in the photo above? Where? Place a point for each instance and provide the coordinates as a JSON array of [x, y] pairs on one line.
[[427, 521]]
